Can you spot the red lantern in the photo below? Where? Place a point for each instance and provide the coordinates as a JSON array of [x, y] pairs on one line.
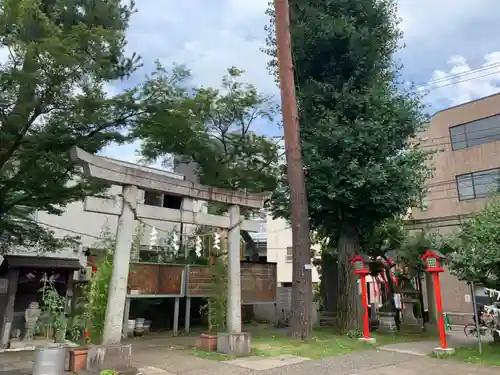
[[431, 260], [360, 266]]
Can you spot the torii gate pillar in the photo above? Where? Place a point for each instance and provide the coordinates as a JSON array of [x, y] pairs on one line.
[[117, 292]]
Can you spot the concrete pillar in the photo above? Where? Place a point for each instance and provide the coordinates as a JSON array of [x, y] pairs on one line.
[[126, 315], [121, 261], [187, 320], [234, 273], [176, 316]]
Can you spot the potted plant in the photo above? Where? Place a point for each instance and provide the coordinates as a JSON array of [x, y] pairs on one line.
[[216, 306], [77, 356], [53, 316]]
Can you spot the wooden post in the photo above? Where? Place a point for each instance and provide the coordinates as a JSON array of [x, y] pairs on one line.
[[8, 316], [301, 326]]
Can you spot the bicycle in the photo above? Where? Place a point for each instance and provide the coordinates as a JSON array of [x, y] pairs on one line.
[[486, 327]]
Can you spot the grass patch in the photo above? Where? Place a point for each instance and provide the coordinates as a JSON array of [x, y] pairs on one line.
[[402, 337], [323, 343], [490, 355]]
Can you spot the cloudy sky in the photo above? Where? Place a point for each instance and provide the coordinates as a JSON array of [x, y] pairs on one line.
[[444, 39]]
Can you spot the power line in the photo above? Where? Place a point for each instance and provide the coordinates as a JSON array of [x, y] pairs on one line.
[[459, 75], [462, 81]]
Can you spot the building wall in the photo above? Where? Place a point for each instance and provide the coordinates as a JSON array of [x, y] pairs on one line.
[[279, 238], [442, 198], [89, 226]]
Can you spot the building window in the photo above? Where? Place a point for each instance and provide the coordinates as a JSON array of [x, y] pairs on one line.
[[152, 198], [475, 133], [289, 254], [478, 184]]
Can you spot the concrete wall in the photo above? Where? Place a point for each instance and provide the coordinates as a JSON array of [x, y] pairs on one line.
[[442, 197], [279, 238], [89, 225], [267, 312]]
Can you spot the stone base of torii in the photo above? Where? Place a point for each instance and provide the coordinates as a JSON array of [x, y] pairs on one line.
[[134, 178]]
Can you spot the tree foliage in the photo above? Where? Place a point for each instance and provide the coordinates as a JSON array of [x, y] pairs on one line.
[[356, 123], [476, 248], [61, 54], [215, 128]]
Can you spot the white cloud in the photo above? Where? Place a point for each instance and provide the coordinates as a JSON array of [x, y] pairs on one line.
[[210, 36], [430, 20], [461, 82]]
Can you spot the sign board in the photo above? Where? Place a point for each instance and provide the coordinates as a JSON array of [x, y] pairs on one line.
[[467, 298], [4, 285]]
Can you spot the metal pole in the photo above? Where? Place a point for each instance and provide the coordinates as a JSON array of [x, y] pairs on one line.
[[476, 315], [301, 279]]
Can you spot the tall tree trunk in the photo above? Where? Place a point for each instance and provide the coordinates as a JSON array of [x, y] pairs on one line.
[[349, 301], [329, 280]]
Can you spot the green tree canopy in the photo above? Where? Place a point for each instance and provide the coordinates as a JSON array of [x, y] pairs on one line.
[[213, 127], [475, 250], [60, 56], [356, 122]]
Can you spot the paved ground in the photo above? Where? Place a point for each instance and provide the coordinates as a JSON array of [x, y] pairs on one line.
[[455, 339], [162, 356]]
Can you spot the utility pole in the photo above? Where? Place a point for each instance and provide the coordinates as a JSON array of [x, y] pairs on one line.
[[301, 280]]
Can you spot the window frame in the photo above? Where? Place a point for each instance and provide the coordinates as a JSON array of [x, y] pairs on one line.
[[289, 256], [466, 140], [473, 180]]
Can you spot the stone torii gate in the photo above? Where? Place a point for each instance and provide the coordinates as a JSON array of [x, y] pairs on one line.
[[134, 178]]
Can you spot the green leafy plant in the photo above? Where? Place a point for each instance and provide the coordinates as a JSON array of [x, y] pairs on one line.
[[216, 306], [95, 299], [353, 333], [91, 306], [109, 372], [53, 310]]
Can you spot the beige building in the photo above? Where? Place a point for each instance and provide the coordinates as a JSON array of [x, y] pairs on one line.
[[467, 160], [279, 249], [466, 141]]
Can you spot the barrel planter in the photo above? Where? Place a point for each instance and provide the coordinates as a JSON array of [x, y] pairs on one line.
[[49, 360]]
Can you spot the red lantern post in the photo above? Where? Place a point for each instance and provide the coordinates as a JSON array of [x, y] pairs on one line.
[[431, 260], [361, 269]]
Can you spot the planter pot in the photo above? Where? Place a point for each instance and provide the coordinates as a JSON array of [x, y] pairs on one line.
[[49, 360], [78, 359], [208, 342], [130, 327], [139, 327]]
